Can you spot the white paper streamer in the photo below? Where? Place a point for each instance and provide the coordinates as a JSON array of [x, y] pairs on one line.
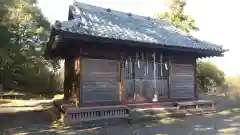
[[126, 63], [166, 66]]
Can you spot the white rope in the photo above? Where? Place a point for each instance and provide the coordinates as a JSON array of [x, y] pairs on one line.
[[161, 69], [154, 69]]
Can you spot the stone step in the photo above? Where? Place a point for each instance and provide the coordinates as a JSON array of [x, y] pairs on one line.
[[199, 111], [155, 114], [136, 113]]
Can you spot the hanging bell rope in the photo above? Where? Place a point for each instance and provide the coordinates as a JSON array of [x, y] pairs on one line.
[[130, 64], [161, 67], [145, 71], [154, 68], [154, 61], [154, 78]]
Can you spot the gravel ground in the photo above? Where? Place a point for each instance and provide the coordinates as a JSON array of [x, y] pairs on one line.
[[30, 122]]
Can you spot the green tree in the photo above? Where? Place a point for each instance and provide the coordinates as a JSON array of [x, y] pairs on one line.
[[23, 33], [209, 75], [176, 16]]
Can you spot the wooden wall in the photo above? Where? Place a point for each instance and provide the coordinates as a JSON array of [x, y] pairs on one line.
[[100, 80], [183, 77]]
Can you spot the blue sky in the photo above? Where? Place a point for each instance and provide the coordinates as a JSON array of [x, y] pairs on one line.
[[217, 19]]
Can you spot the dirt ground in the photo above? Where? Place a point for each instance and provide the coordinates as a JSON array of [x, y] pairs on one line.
[[31, 118]]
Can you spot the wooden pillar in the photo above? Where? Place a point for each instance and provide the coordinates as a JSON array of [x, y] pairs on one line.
[[134, 78], [169, 58], [195, 79], [78, 68], [169, 80], [68, 77], [121, 91]]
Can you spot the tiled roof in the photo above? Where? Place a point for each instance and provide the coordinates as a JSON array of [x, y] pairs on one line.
[[107, 23]]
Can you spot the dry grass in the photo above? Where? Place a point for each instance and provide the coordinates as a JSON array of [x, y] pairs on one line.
[[58, 96]]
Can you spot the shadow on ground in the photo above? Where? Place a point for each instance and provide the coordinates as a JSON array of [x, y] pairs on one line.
[[225, 121], [27, 117], [31, 122], [4, 102], [19, 122]]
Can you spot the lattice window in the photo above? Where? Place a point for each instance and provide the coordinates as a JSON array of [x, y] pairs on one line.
[[128, 71], [140, 69], [162, 70]]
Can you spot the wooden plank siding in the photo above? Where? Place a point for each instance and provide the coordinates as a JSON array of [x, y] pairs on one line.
[[182, 81], [182, 77], [100, 80], [112, 81]]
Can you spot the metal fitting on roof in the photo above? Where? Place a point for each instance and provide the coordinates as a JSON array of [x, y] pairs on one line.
[[129, 14], [108, 10], [57, 24]]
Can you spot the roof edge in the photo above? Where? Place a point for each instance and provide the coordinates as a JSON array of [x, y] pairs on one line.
[[87, 38]]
